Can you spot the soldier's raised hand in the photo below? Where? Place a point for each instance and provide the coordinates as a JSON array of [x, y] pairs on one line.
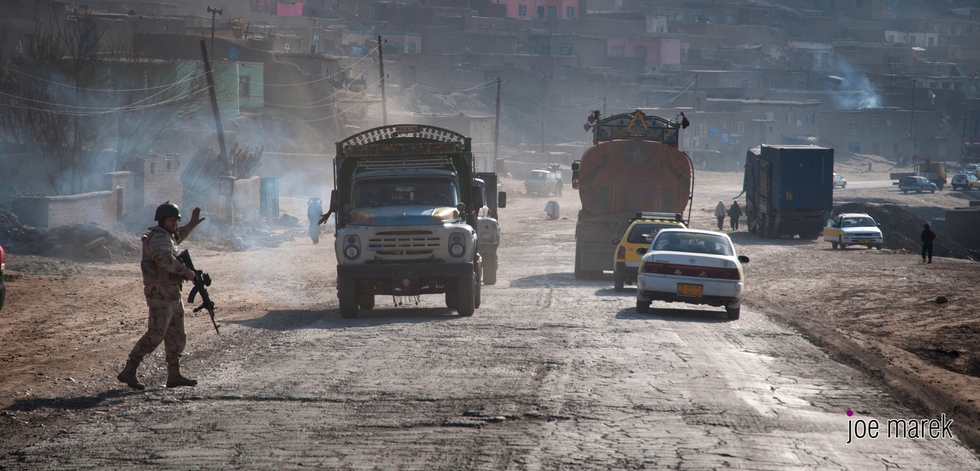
[[196, 216]]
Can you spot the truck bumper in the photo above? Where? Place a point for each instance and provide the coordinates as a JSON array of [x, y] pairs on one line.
[[405, 279]]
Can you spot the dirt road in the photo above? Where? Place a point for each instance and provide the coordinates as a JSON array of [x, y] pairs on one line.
[[550, 373]]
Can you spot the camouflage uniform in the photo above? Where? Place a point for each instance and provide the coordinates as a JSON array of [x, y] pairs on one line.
[[162, 278]]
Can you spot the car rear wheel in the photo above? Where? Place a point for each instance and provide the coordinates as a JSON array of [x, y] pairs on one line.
[[619, 283], [733, 312], [833, 245], [642, 307]]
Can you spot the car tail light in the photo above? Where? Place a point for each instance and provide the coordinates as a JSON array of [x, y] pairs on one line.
[[621, 253], [3, 259], [653, 267], [722, 273], [692, 271]]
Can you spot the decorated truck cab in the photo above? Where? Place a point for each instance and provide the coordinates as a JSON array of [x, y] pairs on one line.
[[406, 217]]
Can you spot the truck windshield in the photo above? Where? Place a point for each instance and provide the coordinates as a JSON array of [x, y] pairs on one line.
[[424, 191]]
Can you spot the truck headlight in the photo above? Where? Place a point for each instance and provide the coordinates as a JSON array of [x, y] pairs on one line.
[[352, 247], [457, 244]]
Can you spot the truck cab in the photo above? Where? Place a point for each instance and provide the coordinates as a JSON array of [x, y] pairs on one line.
[[406, 218]]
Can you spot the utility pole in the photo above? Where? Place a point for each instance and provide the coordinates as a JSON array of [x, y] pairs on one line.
[[542, 136], [381, 62], [496, 130], [313, 41], [604, 106], [912, 129], [694, 122], [213, 12], [214, 104]]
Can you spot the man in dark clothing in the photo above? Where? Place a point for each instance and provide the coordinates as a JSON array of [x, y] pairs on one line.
[[734, 213], [927, 237]]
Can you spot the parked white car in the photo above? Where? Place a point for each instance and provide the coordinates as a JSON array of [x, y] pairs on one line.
[[853, 229], [694, 267], [839, 181]]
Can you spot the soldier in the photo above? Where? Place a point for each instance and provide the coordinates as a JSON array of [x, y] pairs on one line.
[[162, 278]]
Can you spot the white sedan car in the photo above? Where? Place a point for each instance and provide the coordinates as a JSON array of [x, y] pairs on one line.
[[691, 266]]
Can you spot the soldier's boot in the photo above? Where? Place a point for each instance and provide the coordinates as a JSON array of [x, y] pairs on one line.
[[128, 375], [174, 378]]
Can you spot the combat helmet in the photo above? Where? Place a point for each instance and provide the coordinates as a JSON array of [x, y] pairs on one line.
[[166, 210]]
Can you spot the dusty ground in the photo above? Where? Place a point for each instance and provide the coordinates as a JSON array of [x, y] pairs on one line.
[[68, 324]]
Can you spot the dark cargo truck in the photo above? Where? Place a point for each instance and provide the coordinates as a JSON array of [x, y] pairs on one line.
[[788, 190], [488, 227], [633, 166]]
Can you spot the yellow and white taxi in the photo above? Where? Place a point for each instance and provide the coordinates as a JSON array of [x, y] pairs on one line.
[[853, 229], [636, 240], [694, 267]]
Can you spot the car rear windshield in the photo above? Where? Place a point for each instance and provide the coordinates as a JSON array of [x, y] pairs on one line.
[[693, 242], [537, 176], [644, 233]]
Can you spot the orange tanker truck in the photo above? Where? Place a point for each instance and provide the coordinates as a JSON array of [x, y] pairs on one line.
[[633, 165]]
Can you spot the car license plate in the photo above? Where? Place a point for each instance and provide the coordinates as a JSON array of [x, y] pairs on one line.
[[684, 289], [863, 241]]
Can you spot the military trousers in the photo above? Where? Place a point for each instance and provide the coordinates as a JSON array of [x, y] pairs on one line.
[[165, 324]]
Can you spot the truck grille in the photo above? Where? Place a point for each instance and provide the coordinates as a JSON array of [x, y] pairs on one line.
[[404, 243]]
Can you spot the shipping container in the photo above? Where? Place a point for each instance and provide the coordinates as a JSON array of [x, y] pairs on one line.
[[788, 189]]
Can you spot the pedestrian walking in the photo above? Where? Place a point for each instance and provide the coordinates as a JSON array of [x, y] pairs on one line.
[[734, 213], [163, 275], [720, 214], [927, 237]]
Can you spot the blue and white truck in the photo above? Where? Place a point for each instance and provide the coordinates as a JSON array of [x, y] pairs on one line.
[[406, 217]]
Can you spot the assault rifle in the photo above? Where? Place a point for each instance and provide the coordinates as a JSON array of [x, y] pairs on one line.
[[201, 283]]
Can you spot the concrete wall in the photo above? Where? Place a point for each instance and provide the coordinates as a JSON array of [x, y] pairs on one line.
[[963, 225], [161, 181], [49, 212], [247, 198]]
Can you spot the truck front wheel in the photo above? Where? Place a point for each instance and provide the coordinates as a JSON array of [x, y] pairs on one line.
[[348, 297], [477, 285], [466, 302], [490, 270], [579, 273]]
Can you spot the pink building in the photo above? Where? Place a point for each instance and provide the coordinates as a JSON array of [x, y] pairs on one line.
[[560, 9]]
